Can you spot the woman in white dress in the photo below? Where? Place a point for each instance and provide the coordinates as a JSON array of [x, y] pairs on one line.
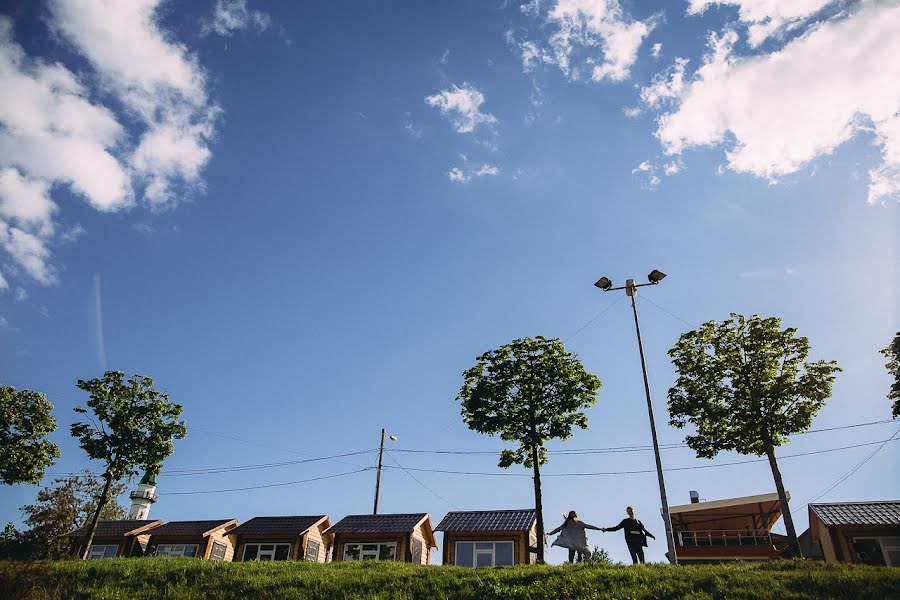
[[573, 537]]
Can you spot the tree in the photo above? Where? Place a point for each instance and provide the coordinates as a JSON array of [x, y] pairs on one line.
[[745, 386], [892, 353], [528, 391], [132, 428], [67, 504], [25, 421], [598, 557]]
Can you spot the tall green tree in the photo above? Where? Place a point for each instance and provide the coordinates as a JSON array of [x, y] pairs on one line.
[[529, 391], [131, 428], [745, 385], [892, 353], [67, 504], [25, 422]]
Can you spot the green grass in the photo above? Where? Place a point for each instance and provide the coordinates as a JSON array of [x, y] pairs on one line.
[[174, 578]]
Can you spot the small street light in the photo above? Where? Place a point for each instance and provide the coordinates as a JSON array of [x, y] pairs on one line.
[[384, 434], [630, 287]]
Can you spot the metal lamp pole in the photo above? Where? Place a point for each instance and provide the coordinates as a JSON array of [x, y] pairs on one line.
[[630, 288], [378, 476]]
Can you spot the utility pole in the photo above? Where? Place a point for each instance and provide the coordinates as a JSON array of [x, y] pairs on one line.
[[630, 288], [378, 476]]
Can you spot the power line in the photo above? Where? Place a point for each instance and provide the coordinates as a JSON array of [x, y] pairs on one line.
[[594, 318], [231, 469], [666, 310], [416, 479], [641, 471], [270, 485], [621, 449]]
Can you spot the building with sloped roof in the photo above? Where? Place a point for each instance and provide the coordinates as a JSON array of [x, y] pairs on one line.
[[283, 538], [406, 537], [489, 538], [857, 532], [113, 539], [208, 539]]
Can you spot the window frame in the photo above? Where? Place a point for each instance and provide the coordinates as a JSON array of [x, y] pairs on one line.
[[93, 547], [212, 550], [492, 552], [183, 547], [368, 554], [306, 554], [273, 552], [883, 544]]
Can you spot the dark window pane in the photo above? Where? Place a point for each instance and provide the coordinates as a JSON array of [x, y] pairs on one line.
[[267, 547], [503, 554], [281, 551], [484, 545], [869, 552], [483, 559], [250, 551], [464, 557], [386, 552], [351, 552], [370, 547]]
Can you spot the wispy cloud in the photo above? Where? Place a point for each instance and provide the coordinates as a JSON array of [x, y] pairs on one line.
[[766, 18], [462, 106], [470, 171], [230, 16], [133, 126]]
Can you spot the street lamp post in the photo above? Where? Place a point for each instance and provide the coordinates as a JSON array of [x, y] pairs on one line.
[[378, 476], [630, 288]]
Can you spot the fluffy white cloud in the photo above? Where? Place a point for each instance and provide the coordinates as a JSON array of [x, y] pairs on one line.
[[765, 18], [54, 132], [666, 86], [783, 109], [590, 35], [657, 48], [462, 105], [233, 15]]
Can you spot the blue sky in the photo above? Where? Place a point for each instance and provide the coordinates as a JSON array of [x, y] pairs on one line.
[[305, 221]]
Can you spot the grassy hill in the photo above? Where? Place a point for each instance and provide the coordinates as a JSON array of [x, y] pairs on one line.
[[173, 578]]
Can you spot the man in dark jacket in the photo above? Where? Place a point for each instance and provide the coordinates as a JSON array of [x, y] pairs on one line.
[[635, 535]]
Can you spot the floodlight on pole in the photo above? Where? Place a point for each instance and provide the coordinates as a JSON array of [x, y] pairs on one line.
[[630, 287], [384, 434]]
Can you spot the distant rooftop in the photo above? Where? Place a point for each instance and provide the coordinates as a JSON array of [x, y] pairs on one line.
[[875, 512], [488, 520], [114, 528], [396, 523], [277, 525], [194, 528]]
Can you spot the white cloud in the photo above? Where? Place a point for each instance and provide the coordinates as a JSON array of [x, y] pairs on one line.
[[594, 36], [781, 110], [644, 166], [55, 132], [462, 106], [765, 18], [673, 167], [3, 321], [666, 86], [21, 294], [233, 15], [444, 56], [467, 173], [631, 111], [657, 48], [4, 285]]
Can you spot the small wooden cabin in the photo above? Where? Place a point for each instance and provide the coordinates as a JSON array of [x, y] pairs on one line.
[[113, 539], [857, 532], [283, 538], [489, 538], [400, 537], [210, 539]]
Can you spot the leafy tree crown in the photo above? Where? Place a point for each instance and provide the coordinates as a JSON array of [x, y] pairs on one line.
[[892, 353], [528, 391], [745, 386], [131, 425], [25, 421]]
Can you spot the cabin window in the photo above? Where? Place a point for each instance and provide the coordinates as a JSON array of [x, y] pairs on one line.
[[267, 551], [218, 551], [107, 551], [878, 551], [417, 551], [484, 554], [312, 551], [176, 550], [379, 551]]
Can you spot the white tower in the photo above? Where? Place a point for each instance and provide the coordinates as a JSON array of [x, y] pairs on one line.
[[144, 496]]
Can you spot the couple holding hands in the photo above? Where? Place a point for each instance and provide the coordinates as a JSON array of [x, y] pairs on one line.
[[572, 536]]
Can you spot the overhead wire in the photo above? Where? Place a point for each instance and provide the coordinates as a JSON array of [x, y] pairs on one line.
[[269, 485], [416, 479]]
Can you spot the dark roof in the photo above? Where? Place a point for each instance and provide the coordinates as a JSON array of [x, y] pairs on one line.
[[879, 512], [195, 528], [277, 525], [488, 520], [113, 528], [399, 523]]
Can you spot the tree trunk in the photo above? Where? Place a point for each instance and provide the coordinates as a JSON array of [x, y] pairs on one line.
[[538, 506], [785, 508], [93, 526]]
